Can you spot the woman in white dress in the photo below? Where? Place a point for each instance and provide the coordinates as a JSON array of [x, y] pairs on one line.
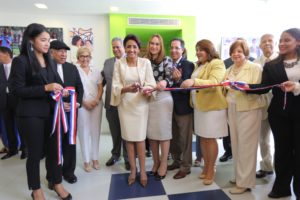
[[132, 79], [210, 117], [89, 116], [159, 131]]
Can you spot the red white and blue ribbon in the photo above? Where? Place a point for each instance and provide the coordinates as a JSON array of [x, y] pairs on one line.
[[60, 120], [73, 115], [237, 85]]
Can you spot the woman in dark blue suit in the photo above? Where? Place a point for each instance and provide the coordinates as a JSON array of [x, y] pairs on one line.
[[284, 112], [32, 80]]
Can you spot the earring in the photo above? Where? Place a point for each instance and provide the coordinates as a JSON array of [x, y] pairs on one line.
[[31, 47]]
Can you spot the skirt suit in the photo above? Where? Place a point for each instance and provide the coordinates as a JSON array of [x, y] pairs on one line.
[[133, 108], [161, 108]]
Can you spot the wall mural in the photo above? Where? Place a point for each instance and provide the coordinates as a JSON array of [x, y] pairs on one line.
[[253, 43], [11, 36], [80, 37]]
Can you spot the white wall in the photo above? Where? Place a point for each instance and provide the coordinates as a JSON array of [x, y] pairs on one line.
[[242, 18], [99, 24]]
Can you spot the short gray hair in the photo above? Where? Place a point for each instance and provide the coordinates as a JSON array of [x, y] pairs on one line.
[[117, 39]]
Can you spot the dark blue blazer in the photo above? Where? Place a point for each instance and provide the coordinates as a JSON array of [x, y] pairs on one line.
[[182, 99]]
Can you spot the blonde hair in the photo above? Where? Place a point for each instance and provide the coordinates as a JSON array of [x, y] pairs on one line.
[[161, 54], [83, 50]]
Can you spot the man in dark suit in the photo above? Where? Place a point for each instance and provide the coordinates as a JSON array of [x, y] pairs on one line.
[[69, 76], [182, 124], [112, 115], [8, 103]]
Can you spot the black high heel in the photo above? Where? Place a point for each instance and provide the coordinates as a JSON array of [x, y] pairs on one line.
[[152, 173], [69, 197], [160, 177]]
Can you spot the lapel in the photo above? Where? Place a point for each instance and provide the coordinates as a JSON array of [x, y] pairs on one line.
[[179, 64], [203, 71], [244, 73], [44, 78], [141, 69], [2, 73], [280, 72]]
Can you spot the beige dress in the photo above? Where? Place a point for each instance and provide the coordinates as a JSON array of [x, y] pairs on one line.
[[133, 108]]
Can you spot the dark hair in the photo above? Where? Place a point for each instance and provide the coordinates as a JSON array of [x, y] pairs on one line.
[[132, 37], [75, 39], [6, 50], [31, 32], [240, 43], [161, 54], [182, 44], [295, 33], [209, 48]]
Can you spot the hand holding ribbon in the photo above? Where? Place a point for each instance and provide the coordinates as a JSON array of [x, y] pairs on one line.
[[60, 117]]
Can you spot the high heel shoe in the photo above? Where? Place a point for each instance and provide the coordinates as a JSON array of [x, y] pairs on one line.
[[144, 182], [160, 177], [152, 173], [68, 197], [208, 181], [202, 176], [96, 164], [131, 180]]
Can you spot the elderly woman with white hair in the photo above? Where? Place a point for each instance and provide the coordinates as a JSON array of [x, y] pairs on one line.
[[89, 116]]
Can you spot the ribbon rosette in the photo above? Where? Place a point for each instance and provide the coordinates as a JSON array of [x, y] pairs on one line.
[[60, 120]]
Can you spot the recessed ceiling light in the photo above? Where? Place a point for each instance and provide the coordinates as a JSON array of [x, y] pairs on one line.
[[114, 9], [41, 6]]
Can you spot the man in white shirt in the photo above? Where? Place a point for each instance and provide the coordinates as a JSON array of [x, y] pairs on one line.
[[266, 167]]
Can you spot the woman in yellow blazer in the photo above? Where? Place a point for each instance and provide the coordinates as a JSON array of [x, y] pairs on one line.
[[210, 120], [244, 117]]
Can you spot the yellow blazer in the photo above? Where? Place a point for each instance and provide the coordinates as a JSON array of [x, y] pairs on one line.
[[146, 78], [250, 73], [208, 99]]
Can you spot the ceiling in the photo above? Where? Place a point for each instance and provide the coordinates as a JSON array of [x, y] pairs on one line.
[[96, 7], [90, 7]]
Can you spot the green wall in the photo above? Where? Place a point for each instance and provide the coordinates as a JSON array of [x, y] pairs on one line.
[[186, 30]]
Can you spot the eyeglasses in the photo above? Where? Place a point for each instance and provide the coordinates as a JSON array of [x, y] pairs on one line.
[[84, 56]]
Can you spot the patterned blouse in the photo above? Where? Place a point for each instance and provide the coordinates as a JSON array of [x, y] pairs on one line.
[[163, 71]]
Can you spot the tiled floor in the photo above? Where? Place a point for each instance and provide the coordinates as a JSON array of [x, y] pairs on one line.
[[111, 182]]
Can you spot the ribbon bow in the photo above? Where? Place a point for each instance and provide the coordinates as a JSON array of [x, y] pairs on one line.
[[60, 118]]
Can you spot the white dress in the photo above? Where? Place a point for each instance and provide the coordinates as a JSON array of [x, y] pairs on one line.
[[133, 108], [89, 122], [210, 124]]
